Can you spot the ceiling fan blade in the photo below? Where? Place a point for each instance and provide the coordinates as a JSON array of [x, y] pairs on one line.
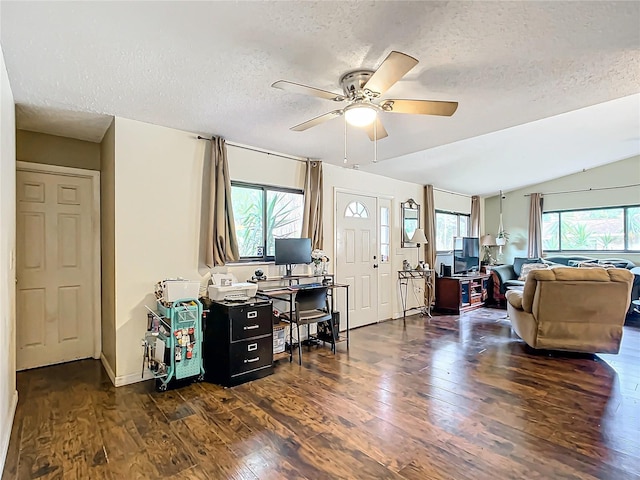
[[420, 107], [394, 67], [316, 121], [307, 90], [380, 131]]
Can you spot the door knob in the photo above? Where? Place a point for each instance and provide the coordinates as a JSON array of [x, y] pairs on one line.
[[375, 265]]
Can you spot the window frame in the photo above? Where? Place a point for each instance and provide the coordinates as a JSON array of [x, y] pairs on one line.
[[458, 215], [625, 227], [264, 188]]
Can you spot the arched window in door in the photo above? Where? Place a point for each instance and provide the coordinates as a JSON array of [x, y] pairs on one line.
[[356, 210]]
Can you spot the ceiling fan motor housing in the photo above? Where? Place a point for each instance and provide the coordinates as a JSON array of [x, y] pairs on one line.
[[353, 85]]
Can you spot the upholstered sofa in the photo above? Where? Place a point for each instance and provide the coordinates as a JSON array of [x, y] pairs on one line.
[[506, 276], [573, 309]]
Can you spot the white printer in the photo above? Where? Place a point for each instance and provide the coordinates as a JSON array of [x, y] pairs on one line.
[[225, 286]]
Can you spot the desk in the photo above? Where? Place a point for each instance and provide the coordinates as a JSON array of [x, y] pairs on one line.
[[288, 295], [404, 276]]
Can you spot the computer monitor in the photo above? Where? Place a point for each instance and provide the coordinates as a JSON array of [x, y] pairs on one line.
[[292, 251]]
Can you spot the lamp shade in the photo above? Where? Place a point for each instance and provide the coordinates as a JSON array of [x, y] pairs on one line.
[[360, 115], [418, 236], [487, 240]]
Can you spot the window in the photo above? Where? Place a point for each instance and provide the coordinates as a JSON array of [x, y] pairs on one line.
[[262, 214], [596, 229], [356, 210], [449, 225], [385, 237]]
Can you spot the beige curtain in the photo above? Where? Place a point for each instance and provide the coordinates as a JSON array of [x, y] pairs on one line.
[[475, 216], [430, 233], [222, 243], [535, 226], [312, 217]]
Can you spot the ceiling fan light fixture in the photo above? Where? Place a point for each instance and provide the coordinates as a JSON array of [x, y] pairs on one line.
[[360, 115]]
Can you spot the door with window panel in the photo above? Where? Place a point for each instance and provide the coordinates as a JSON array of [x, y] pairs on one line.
[[357, 254]]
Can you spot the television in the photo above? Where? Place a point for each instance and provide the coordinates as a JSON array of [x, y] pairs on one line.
[[466, 255], [292, 251]]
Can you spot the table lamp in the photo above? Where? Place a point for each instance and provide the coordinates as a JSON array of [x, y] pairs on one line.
[[418, 238], [487, 241]]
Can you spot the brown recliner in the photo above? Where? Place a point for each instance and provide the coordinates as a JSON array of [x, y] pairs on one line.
[[573, 309]]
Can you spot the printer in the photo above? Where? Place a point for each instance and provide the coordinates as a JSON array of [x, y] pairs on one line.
[[225, 286]]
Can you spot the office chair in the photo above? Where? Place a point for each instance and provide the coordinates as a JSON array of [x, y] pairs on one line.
[[311, 306]]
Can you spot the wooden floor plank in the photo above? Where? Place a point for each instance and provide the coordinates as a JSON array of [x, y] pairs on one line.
[[451, 397]]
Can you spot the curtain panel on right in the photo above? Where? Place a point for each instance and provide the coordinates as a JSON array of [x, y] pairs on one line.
[[430, 233], [535, 226], [475, 216]]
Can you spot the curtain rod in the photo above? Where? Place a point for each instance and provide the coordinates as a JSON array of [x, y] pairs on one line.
[[452, 193], [588, 190], [259, 150]]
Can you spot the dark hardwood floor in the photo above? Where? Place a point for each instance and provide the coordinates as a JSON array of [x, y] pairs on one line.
[[447, 398]]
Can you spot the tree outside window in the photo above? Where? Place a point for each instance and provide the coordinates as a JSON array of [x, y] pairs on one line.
[[263, 214], [600, 229]]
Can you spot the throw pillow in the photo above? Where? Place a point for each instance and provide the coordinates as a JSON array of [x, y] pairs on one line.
[[527, 267], [595, 265], [613, 263], [518, 262]]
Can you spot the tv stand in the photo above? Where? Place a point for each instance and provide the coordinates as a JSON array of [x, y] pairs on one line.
[[288, 270], [461, 293]]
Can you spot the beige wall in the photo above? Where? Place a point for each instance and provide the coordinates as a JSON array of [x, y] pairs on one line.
[[53, 150], [107, 220], [159, 217], [515, 206], [8, 393], [158, 183]]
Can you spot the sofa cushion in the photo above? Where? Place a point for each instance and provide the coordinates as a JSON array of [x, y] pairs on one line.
[[514, 283], [514, 297], [519, 261]]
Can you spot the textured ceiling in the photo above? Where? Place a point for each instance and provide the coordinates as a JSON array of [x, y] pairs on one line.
[[207, 67]]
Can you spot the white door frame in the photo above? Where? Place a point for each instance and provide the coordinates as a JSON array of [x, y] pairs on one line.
[[336, 191], [94, 176]]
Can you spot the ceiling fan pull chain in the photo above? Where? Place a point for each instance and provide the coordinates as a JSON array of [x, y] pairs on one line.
[[345, 139], [375, 141]]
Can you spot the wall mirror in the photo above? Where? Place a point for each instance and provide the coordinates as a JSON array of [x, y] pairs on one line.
[[410, 221]]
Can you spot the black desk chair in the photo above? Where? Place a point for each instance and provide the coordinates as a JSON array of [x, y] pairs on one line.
[[311, 306]]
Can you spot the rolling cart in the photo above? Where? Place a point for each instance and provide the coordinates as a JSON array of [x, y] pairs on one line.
[[173, 342]]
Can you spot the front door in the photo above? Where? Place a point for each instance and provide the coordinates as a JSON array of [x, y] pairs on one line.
[[356, 255], [54, 269]]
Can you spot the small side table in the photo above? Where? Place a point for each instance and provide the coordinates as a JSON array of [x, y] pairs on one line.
[[404, 276]]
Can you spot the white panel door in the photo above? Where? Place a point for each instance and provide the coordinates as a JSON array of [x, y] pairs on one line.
[[54, 269], [357, 256]]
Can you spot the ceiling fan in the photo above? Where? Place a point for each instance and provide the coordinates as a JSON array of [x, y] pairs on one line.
[[362, 91]]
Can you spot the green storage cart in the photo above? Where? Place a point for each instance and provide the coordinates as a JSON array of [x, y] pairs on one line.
[[173, 342]]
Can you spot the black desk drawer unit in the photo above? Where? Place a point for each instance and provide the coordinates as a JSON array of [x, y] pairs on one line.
[[238, 342]]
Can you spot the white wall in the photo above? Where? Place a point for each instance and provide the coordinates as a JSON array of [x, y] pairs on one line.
[[515, 206], [8, 393]]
